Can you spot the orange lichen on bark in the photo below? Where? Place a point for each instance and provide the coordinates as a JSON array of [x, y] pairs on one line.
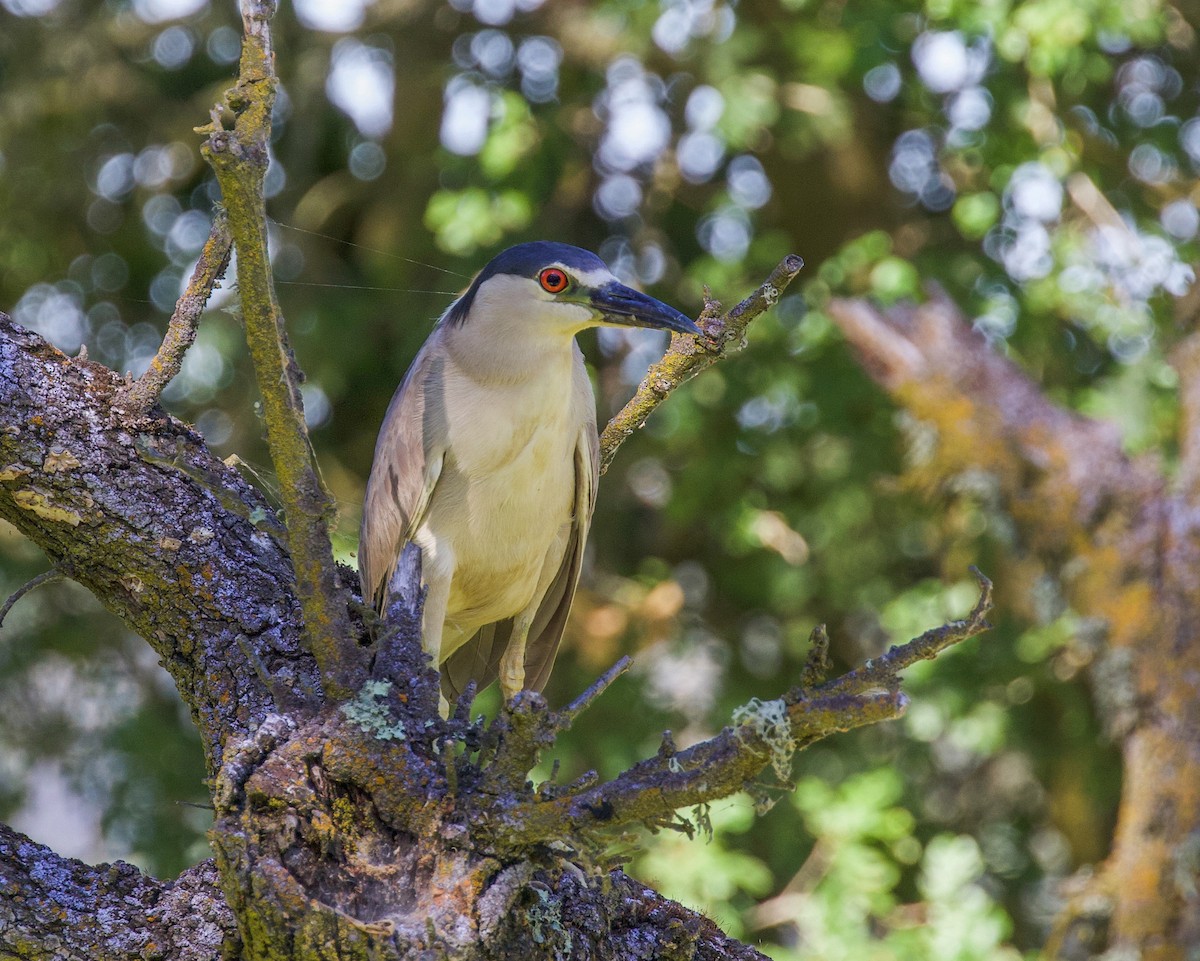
[[1148, 859]]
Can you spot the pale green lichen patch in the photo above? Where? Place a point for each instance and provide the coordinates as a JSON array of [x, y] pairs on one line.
[[546, 923], [369, 713], [770, 721]]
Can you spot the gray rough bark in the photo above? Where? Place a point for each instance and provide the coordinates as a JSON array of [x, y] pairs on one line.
[[57, 908], [169, 538]]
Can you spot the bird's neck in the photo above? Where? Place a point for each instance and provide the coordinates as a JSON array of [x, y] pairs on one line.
[[492, 356]]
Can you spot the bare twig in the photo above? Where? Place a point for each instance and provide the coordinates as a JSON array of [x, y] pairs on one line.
[[816, 664], [688, 355], [568, 714], [239, 157], [45, 577], [881, 671], [141, 395]]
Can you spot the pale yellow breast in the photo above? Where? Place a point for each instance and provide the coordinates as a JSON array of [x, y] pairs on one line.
[[508, 501]]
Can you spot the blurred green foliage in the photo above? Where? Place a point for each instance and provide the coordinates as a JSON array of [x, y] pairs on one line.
[[1037, 160]]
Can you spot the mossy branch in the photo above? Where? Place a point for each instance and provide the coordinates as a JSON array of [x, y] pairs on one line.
[[141, 395], [763, 733], [157, 527], [688, 355], [239, 156]]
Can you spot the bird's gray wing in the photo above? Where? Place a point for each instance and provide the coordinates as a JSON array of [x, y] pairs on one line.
[[478, 659], [551, 618], [408, 462]]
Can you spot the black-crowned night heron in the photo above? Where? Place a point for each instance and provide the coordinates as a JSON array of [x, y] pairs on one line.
[[488, 460]]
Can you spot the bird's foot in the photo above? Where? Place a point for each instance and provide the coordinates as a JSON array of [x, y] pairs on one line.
[[510, 687], [511, 679]]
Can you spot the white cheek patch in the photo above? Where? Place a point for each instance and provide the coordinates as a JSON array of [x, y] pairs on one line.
[[504, 289], [510, 306], [590, 278]]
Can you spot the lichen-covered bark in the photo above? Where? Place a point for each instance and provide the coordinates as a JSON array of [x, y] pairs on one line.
[[143, 394], [1125, 547], [56, 909], [171, 540], [239, 157]]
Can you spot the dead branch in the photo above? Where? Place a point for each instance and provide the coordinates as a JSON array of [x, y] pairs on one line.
[[141, 395], [687, 355]]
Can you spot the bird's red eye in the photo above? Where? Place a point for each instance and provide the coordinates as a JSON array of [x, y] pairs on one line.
[[553, 280]]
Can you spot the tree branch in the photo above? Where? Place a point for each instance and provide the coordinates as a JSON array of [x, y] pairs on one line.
[[55, 907], [240, 157], [1185, 358], [181, 329], [688, 355], [882, 671], [169, 539], [764, 733], [46, 577], [990, 416]]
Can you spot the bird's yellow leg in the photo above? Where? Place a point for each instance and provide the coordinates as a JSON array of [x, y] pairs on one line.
[[433, 623], [512, 664]]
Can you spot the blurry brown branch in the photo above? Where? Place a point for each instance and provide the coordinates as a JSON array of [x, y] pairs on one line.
[[1120, 542], [1185, 358], [687, 355], [141, 395]]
